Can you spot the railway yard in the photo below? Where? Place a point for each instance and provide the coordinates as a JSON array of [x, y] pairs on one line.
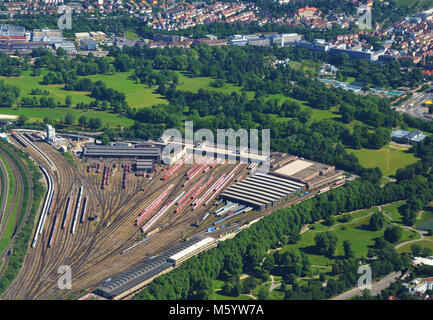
[[102, 217]]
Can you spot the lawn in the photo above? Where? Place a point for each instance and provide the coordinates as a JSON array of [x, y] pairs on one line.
[[387, 159], [26, 83], [316, 114], [131, 35], [137, 95], [393, 209], [38, 114], [193, 84], [423, 243], [356, 232]]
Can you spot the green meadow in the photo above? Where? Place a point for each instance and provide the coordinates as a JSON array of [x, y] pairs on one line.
[[389, 160]]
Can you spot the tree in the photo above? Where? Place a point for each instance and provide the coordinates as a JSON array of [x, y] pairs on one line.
[[95, 123], [409, 218], [263, 293], [329, 221], [22, 119], [68, 101], [427, 252], [376, 221], [326, 243], [46, 120], [393, 234], [69, 118], [269, 262], [105, 140], [82, 121], [416, 249], [348, 251]]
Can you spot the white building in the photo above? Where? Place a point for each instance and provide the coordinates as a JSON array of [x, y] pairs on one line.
[[419, 285], [51, 133]]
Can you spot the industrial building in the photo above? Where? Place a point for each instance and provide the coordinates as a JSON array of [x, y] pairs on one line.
[[138, 277], [262, 191], [47, 35], [407, 137], [312, 174], [145, 165], [51, 133], [12, 32], [88, 45], [11, 47], [122, 151]]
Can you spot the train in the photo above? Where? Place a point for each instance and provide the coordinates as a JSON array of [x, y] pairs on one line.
[[77, 209], [13, 135], [47, 203], [83, 211], [232, 216], [53, 230], [65, 217]]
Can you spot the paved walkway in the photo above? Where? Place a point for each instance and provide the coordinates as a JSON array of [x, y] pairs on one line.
[[273, 284], [376, 287]]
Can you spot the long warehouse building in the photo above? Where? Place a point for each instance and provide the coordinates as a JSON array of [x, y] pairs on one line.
[[136, 278], [261, 191], [101, 151]]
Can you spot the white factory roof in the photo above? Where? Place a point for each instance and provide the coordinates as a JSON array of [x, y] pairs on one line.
[[294, 167], [192, 248], [420, 260]]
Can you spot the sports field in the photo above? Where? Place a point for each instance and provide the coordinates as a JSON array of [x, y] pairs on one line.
[[387, 159]]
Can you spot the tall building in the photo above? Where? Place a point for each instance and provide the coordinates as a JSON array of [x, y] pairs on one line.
[[51, 133]]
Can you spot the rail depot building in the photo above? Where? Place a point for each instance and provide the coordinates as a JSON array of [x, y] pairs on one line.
[[122, 151], [134, 279]]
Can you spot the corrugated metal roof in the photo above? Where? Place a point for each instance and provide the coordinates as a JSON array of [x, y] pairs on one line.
[[192, 248]]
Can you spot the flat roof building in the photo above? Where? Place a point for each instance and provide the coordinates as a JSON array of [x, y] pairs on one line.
[[136, 278], [407, 137], [101, 151]]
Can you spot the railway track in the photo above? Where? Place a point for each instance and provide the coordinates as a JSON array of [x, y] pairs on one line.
[[17, 202], [93, 252]]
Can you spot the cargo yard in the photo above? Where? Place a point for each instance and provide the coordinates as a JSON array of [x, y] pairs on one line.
[[118, 216]]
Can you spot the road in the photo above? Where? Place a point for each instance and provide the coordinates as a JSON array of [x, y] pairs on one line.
[[376, 287]]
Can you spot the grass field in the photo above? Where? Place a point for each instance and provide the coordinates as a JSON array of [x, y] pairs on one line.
[[316, 114], [387, 159], [423, 243], [131, 35], [193, 84], [137, 95], [26, 83], [393, 210], [38, 114]]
